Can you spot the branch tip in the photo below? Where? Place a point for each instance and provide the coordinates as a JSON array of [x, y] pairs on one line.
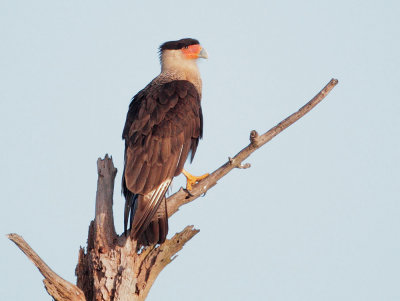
[[244, 166], [239, 164]]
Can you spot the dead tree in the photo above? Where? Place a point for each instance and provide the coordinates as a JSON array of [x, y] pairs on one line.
[[113, 266]]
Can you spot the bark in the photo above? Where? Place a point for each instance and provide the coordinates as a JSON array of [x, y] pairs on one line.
[[113, 267]]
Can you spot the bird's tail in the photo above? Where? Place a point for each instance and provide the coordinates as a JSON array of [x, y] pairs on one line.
[[157, 229], [147, 215]]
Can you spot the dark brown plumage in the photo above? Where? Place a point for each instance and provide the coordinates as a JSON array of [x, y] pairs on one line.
[[163, 126]]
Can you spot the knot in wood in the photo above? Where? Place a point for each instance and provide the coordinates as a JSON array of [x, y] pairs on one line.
[[254, 138]]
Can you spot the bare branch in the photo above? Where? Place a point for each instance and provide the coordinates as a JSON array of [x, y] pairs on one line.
[[159, 258], [183, 197], [57, 287], [113, 268]]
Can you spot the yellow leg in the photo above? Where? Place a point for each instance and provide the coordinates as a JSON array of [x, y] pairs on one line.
[[191, 179]]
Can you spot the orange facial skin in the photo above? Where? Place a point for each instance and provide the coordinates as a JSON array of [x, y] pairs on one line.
[[192, 51]]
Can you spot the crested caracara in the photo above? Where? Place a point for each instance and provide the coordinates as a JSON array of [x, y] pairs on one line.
[[163, 127]]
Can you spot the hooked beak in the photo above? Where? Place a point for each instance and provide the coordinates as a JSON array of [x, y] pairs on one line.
[[203, 54]]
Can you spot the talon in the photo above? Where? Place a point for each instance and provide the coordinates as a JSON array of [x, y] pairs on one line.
[[191, 179], [189, 193]]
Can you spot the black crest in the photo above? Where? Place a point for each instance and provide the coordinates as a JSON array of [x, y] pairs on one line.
[[179, 44]]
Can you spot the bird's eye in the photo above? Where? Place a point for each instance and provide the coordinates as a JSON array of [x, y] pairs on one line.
[[186, 47]]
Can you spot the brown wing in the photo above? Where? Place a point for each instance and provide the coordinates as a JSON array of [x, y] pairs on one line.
[[163, 125]]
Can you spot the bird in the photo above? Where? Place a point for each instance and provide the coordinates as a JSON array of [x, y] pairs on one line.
[[163, 126]]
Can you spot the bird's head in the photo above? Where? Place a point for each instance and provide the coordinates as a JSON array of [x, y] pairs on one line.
[[181, 53]]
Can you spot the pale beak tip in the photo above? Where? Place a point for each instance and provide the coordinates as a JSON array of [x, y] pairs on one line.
[[203, 54]]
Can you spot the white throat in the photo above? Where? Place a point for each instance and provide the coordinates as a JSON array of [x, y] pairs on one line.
[[175, 66]]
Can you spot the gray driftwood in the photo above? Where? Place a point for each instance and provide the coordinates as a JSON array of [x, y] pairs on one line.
[[112, 267]]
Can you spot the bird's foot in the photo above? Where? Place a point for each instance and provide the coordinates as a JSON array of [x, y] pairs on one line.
[[191, 179]]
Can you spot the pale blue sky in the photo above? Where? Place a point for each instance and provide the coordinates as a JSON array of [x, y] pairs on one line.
[[316, 217]]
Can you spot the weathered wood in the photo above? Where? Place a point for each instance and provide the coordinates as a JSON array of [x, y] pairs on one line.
[[58, 288], [120, 267], [104, 231], [113, 267]]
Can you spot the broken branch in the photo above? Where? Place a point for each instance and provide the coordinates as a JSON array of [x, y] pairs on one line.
[[57, 287]]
